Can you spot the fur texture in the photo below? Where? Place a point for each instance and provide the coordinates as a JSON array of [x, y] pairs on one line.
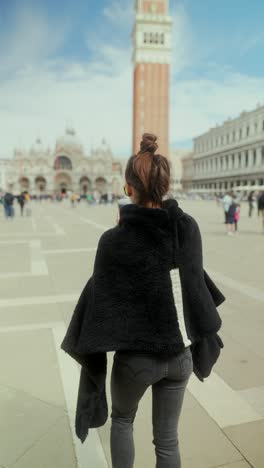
[[128, 303]]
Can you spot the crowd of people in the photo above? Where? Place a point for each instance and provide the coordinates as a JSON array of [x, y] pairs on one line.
[[230, 202], [232, 210], [8, 200]]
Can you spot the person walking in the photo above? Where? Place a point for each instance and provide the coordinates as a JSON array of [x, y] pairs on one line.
[[27, 204], [261, 208], [237, 216], [149, 300], [227, 202], [21, 202], [73, 200], [8, 205], [251, 200], [230, 218]]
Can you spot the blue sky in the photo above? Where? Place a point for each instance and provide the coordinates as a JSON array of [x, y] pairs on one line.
[[68, 62]]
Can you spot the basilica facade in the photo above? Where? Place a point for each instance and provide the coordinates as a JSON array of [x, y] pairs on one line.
[[42, 170]]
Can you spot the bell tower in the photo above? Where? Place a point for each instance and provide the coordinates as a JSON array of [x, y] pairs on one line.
[[152, 59]]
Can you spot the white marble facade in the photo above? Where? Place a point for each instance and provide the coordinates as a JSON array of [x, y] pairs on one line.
[[44, 171], [231, 154]]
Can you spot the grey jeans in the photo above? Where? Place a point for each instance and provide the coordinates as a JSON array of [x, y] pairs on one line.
[[132, 374]]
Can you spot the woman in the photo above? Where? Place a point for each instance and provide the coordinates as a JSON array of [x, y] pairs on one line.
[[230, 218], [261, 208], [251, 200], [149, 300], [21, 202]]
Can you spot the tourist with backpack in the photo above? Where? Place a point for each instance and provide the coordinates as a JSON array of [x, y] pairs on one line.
[[8, 205]]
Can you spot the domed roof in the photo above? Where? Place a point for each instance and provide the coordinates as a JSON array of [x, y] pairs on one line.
[[102, 151], [38, 147], [104, 146], [69, 140]]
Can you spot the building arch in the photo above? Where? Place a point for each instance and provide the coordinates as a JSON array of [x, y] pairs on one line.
[[40, 183], [85, 185], [24, 183], [63, 163], [63, 182]]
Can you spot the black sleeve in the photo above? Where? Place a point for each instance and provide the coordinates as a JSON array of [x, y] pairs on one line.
[[216, 294]]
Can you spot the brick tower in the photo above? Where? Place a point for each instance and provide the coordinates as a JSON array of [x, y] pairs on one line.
[[152, 58]]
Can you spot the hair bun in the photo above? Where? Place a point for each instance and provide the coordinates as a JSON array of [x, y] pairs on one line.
[[148, 143]]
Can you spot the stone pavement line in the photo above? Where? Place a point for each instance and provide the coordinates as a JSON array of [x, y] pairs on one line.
[[25, 301], [225, 405], [14, 242], [242, 288], [59, 231], [255, 397], [92, 223], [91, 452], [30, 234], [69, 251], [39, 266], [34, 224]]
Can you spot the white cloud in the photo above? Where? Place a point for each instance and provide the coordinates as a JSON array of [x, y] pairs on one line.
[[41, 102], [120, 13], [31, 38], [198, 105], [47, 92], [182, 40]]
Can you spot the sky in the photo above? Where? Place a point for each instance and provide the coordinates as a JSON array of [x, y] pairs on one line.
[[69, 63]]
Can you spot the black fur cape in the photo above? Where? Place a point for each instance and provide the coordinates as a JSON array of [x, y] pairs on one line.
[[128, 303]]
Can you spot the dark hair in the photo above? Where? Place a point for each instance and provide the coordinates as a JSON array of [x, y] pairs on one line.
[[148, 173]]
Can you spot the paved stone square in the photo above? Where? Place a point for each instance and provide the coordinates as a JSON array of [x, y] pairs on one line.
[[45, 261]]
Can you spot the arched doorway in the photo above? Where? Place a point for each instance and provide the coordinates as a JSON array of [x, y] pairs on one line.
[[101, 185], [24, 183], [40, 183], [63, 163], [63, 182], [85, 185]]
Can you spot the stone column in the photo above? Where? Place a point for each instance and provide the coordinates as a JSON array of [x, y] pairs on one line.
[[259, 157], [236, 161], [230, 162], [250, 157], [243, 159]]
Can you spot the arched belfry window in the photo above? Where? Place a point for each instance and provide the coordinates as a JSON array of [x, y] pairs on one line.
[[156, 38], [151, 38], [62, 162], [162, 38], [145, 38]]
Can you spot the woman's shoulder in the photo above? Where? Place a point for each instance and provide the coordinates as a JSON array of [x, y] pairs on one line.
[[188, 222], [112, 239]]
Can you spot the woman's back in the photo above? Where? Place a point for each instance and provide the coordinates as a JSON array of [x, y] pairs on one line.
[[149, 300]]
